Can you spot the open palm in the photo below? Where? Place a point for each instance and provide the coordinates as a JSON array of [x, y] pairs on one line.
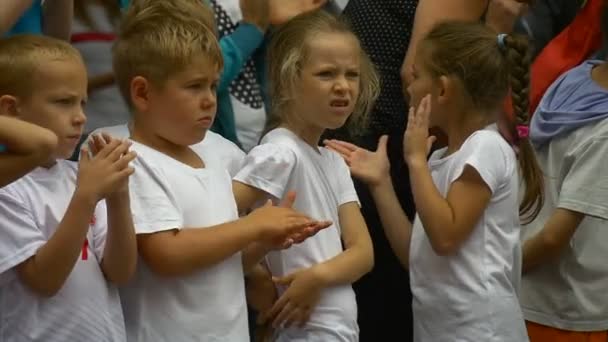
[[370, 167]]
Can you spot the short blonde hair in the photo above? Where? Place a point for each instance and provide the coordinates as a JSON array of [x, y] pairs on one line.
[[159, 38], [23, 55], [289, 50]]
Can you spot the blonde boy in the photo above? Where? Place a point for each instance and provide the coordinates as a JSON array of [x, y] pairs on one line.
[[66, 231], [189, 285]]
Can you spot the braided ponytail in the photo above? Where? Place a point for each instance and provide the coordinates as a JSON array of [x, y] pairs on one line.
[[519, 59]]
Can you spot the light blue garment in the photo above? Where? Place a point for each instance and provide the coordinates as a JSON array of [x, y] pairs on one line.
[[573, 100], [30, 21]]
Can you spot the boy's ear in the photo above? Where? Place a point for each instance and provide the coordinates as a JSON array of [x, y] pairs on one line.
[[140, 93], [9, 106]]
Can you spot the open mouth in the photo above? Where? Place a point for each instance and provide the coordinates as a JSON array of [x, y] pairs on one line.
[[339, 103]]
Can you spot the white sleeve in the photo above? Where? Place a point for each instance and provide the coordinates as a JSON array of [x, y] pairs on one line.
[[585, 186], [346, 191], [153, 204], [20, 236], [237, 160], [488, 155], [99, 228], [268, 167]]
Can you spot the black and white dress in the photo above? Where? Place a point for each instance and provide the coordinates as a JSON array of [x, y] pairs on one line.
[[384, 299]]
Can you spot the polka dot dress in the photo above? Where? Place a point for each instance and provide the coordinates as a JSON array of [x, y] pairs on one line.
[[245, 87], [384, 28]]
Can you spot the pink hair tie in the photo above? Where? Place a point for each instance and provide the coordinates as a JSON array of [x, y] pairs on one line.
[[523, 131]]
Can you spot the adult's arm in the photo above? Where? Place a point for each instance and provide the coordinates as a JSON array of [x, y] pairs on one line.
[[10, 12], [57, 18]]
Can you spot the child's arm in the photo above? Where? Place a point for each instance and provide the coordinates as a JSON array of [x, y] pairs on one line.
[[373, 168], [46, 271], [120, 251], [57, 18], [304, 286], [27, 147], [552, 239], [431, 12], [447, 221], [10, 13], [180, 252]]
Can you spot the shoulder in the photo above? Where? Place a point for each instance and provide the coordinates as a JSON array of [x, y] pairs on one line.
[[489, 143], [274, 153], [223, 145]]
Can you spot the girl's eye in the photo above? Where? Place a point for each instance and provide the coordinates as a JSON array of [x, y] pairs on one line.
[[325, 73], [352, 74]]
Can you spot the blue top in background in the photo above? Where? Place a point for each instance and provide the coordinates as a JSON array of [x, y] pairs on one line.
[[30, 21]]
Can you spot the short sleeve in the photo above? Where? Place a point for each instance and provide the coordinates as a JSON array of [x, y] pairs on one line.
[[585, 185], [99, 229], [268, 167], [346, 190], [237, 159], [20, 236], [153, 204], [489, 155]]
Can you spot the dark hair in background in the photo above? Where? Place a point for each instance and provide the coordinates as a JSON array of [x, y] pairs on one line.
[[471, 53]]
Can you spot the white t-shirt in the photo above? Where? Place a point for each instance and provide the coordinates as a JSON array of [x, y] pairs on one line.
[[217, 150], [321, 180], [472, 295], [87, 307], [209, 304], [571, 292]]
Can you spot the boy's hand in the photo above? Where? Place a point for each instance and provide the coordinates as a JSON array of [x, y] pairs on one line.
[[298, 301], [107, 170], [371, 167]]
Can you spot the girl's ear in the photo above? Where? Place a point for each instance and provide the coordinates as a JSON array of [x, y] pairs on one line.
[[445, 89]]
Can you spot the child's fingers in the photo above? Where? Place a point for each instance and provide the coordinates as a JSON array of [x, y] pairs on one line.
[[292, 317], [276, 308], [125, 160], [305, 317], [106, 137], [283, 314], [85, 157], [108, 148], [119, 151]]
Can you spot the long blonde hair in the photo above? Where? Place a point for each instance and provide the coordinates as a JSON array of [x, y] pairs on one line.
[[288, 50]]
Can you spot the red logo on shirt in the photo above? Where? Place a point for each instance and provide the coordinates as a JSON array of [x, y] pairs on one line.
[[85, 249], [93, 220]]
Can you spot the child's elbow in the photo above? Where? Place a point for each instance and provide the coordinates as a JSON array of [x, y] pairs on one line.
[[445, 247], [45, 144]]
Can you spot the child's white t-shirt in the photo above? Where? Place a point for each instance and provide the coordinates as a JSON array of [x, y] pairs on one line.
[[472, 294], [321, 180], [209, 304], [571, 292], [87, 307], [217, 150]]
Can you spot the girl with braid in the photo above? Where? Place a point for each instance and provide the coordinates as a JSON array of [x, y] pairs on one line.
[[463, 248]]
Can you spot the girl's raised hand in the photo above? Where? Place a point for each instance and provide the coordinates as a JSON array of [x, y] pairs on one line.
[[370, 167], [416, 140]]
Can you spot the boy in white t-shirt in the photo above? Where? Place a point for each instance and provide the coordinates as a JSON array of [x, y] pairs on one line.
[[61, 244], [193, 246]]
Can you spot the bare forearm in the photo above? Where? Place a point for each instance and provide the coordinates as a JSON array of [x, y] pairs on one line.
[[550, 242], [120, 253], [46, 272], [431, 12], [21, 137], [10, 12], [397, 226], [58, 15], [433, 210], [191, 249], [252, 255], [346, 267]]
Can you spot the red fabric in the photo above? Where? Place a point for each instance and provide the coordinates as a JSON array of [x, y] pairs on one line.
[[570, 48]]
